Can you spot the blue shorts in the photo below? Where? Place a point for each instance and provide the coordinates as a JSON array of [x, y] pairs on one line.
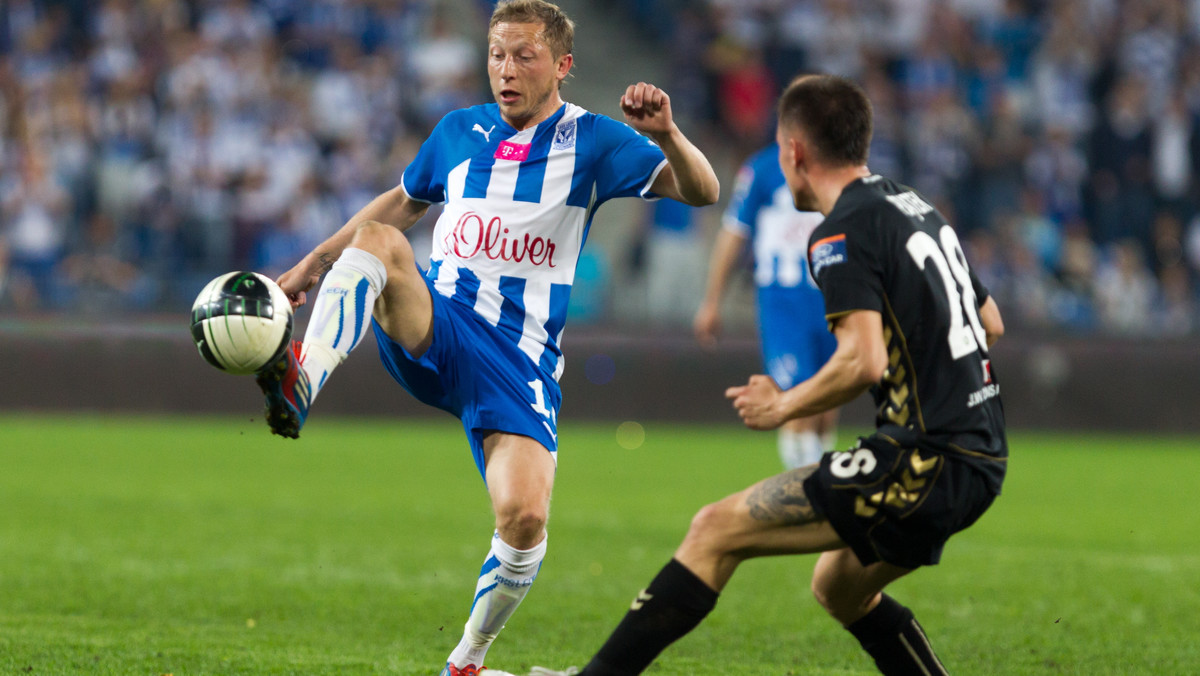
[[476, 372], [796, 341]]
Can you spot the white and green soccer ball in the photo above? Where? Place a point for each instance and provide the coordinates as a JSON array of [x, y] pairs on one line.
[[241, 321]]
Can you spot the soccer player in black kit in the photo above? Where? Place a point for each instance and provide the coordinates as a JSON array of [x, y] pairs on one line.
[[913, 325]]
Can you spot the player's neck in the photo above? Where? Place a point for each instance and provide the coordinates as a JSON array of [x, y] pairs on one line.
[[829, 185], [542, 114]]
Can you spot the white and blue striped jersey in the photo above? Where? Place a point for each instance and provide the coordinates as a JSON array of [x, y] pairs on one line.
[[518, 205], [791, 311], [762, 211]]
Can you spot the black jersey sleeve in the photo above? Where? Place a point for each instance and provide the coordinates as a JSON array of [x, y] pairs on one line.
[[846, 268], [981, 291]]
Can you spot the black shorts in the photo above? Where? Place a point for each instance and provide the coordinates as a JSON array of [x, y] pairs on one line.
[[897, 502]]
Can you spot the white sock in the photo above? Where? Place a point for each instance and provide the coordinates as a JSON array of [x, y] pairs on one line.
[[504, 580], [341, 314], [797, 449]]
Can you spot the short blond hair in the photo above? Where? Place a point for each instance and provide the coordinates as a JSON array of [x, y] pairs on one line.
[[557, 28]]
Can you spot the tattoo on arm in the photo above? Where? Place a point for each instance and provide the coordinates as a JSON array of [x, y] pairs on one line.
[[327, 262], [781, 499]]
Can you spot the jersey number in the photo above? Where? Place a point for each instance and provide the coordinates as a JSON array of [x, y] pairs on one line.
[[966, 332], [539, 406], [845, 464], [539, 400]]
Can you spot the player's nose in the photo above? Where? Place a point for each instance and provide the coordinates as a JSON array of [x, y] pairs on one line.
[[507, 68]]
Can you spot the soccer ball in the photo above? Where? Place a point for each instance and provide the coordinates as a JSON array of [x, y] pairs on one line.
[[241, 321]]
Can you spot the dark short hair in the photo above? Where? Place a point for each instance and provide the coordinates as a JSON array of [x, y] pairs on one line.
[[557, 28], [833, 113]]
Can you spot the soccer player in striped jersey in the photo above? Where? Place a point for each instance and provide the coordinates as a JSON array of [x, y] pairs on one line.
[[795, 339], [477, 334]]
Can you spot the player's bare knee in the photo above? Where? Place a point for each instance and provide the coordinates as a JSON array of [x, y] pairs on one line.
[[708, 529], [386, 243], [706, 522], [842, 606], [373, 235], [834, 606], [520, 526], [820, 593]]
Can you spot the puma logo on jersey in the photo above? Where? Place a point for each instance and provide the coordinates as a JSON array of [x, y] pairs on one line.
[[640, 601], [487, 135]]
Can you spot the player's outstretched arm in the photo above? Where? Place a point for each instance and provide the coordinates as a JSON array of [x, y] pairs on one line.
[[707, 323], [859, 362], [393, 207], [688, 176]]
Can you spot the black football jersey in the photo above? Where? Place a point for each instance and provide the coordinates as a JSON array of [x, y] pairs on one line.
[[883, 247]]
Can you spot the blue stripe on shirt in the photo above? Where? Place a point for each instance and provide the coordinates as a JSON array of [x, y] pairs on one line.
[[582, 182], [434, 268], [532, 173], [560, 296], [479, 174], [512, 309], [466, 288]]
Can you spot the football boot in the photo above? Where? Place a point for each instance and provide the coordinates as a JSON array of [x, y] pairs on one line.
[[286, 388]]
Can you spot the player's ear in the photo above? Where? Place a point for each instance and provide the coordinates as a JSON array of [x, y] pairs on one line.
[[796, 152], [564, 66]]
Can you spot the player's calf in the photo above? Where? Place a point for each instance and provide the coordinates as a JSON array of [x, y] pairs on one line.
[[892, 636], [886, 630], [504, 580], [675, 603], [400, 297]]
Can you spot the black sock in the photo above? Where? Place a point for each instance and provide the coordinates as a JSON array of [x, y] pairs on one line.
[[674, 603], [892, 636]]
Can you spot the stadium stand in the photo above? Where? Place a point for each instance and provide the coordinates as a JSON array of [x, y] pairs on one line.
[[147, 146]]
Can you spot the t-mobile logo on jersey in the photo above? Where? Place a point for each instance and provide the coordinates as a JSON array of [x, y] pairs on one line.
[[517, 152], [470, 236]]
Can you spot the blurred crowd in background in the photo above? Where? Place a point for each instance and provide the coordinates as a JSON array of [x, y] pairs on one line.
[[1060, 137], [146, 146]]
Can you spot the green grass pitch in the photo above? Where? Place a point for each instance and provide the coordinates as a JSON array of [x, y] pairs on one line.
[[193, 546]]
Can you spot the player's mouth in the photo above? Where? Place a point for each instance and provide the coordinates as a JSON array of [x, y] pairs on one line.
[[509, 96]]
